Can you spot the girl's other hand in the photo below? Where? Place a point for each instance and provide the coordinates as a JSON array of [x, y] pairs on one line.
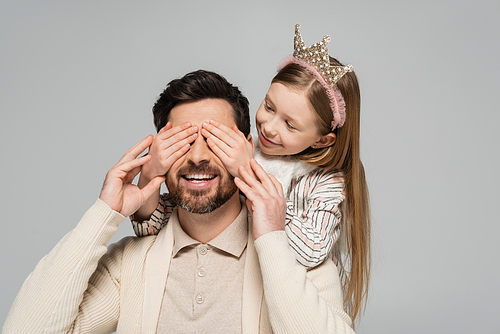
[[169, 144], [265, 200], [230, 145]]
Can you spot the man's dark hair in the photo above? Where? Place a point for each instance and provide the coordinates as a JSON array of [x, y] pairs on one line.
[[200, 85]]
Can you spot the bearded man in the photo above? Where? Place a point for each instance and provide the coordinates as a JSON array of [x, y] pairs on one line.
[[213, 269]]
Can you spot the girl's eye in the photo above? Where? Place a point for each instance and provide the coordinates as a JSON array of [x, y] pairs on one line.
[[290, 126], [267, 107]]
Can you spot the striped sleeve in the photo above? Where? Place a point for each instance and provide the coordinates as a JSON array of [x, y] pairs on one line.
[[158, 220], [314, 218]]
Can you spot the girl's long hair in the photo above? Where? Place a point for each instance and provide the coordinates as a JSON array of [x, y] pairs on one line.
[[343, 155]]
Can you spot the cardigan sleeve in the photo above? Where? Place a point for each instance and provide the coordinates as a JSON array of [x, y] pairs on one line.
[[313, 221], [158, 220], [70, 291], [299, 301]]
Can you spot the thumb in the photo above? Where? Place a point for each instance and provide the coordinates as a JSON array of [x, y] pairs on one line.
[[152, 186]]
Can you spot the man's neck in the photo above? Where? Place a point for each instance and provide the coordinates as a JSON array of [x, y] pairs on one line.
[[205, 227]]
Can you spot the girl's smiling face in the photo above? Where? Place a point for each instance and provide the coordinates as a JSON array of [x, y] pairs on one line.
[[286, 123]]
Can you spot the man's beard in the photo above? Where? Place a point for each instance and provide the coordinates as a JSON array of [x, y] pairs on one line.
[[197, 201]]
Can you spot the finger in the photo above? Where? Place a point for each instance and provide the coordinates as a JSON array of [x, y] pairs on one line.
[[172, 138], [129, 170], [250, 140], [185, 129], [247, 177], [217, 150], [137, 149], [176, 155], [238, 132], [219, 147], [167, 126], [221, 131], [130, 175], [277, 184], [127, 166], [152, 186], [264, 178], [221, 139], [176, 146], [244, 188], [254, 184]]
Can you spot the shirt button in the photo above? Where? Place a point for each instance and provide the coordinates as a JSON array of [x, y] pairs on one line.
[[201, 272], [199, 298], [203, 250]]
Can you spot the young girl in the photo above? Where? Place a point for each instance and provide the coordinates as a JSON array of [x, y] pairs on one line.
[[308, 138]]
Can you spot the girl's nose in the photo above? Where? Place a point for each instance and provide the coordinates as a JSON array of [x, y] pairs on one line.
[[269, 128]]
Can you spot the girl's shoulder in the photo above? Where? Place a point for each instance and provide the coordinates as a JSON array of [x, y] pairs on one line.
[[321, 185], [331, 180], [324, 174]]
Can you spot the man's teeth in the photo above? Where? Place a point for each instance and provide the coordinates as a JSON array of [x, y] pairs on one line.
[[198, 178]]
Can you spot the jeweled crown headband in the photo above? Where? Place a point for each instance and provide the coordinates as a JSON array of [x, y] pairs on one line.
[[317, 61]]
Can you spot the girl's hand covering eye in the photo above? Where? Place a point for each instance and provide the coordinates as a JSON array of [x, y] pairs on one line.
[[169, 144], [230, 146]]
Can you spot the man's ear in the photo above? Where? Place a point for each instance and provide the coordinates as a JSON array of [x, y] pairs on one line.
[[325, 141], [250, 140]]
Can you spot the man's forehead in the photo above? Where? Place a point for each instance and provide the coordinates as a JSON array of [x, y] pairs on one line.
[[202, 111]]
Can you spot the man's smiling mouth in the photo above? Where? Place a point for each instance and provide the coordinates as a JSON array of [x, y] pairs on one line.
[[199, 178]]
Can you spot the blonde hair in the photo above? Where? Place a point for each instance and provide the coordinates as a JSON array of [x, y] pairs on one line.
[[343, 155]]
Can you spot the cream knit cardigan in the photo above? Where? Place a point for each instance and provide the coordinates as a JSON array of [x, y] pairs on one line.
[[80, 288]]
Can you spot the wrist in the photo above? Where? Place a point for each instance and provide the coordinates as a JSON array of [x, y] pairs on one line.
[[260, 232], [144, 178]]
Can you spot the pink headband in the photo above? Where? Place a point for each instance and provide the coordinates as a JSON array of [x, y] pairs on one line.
[[336, 99]]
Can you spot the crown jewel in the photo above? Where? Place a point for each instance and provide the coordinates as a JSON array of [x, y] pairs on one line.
[[317, 56]]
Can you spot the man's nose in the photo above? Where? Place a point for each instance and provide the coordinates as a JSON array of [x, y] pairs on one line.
[[199, 152]]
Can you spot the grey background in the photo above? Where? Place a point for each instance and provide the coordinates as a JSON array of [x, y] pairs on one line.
[[78, 79]]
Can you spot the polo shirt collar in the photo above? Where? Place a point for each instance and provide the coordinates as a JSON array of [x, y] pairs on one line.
[[232, 240]]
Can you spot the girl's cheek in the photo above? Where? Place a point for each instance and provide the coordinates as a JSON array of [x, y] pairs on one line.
[[259, 119], [258, 115]]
